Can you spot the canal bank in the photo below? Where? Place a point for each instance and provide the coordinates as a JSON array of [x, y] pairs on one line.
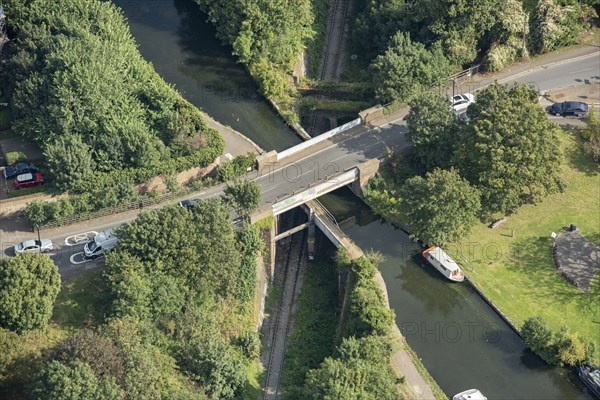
[[176, 38], [457, 336]]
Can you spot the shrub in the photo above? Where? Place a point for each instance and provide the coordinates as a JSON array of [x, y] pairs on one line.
[[13, 157]]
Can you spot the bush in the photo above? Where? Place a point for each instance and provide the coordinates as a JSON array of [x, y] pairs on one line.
[[13, 157]]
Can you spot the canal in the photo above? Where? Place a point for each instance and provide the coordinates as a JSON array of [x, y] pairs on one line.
[[461, 341], [175, 37]]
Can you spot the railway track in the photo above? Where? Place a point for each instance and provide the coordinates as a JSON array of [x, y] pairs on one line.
[[294, 254], [331, 56]]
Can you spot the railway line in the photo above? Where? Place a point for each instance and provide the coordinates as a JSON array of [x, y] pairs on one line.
[[292, 257], [329, 70]]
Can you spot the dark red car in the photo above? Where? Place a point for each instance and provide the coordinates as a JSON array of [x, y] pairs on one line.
[[29, 179]]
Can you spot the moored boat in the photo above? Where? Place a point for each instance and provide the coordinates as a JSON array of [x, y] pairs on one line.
[[591, 377], [471, 394], [443, 263]]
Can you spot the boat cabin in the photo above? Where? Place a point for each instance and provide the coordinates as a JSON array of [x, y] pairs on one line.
[[444, 263]]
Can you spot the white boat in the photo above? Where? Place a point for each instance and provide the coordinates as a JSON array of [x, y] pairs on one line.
[[443, 263], [471, 394]]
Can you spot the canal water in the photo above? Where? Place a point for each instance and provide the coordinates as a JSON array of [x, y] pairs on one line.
[[461, 341], [175, 37]]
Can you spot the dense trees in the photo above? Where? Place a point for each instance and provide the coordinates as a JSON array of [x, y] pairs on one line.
[[407, 67], [433, 130], [360, 371], [82, 91], [556, 348], [29, 284], [439, 208], [266, 36], [510, 150], [74, 381]]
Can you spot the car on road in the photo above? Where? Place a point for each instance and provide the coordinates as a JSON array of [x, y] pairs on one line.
[[12, 171], [187, 203], [576, 108], [34, 246], [460, 102], [28, 180], [464, 117]]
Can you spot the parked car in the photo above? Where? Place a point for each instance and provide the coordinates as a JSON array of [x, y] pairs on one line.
[[187, 203], [460, 102], [34, 246], [29, 179], [18, 169], [103, 242], [576, 108]]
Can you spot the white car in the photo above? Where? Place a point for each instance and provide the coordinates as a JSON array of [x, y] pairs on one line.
[[460, 102], [34, 246]]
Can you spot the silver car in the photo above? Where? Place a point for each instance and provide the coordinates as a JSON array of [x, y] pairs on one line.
[[34, 246]]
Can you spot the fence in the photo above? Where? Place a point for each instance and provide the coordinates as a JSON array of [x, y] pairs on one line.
[[135, 205]]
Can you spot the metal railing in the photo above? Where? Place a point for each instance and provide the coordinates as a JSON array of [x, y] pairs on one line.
[[326, 212]]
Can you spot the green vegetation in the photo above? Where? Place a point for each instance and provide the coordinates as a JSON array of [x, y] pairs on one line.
[[561, 348], [6, 118], [518, 273], [508, 129], [267, 37], [591, 134], [171, 317], [316, 44], [439, 208], [243, 195], [29, 284], [406, 68], [13, 157], [315, 323], [109, 122]]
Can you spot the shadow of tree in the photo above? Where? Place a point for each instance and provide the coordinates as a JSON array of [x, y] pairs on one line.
[[578, 158], [533, 258]]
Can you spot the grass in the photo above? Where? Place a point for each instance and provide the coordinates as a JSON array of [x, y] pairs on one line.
[[25, 191], [316, 46], [80, 302], [348, 106], [518, 274], [254, 374]]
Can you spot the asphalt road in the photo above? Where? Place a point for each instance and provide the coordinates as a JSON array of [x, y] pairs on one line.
[[315, 164]]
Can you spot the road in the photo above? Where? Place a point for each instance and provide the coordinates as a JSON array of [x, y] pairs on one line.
[[327, 158]]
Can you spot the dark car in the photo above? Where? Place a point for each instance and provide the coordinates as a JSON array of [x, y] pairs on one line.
[[576, 108], [18, 169], [29, 179]]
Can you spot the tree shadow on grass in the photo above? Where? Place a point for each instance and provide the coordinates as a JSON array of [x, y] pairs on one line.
[[533, 258], [81, 302], [578, 157]]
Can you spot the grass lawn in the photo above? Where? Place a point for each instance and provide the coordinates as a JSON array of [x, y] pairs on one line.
[[518, 274]]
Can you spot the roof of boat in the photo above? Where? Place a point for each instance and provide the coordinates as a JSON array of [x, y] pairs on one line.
[[471, 394], [442, 257]]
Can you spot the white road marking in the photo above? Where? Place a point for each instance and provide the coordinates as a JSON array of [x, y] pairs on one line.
[[76, 239], [583, 70], [83, 259]]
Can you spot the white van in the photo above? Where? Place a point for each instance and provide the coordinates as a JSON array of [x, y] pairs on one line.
[[102, 243]]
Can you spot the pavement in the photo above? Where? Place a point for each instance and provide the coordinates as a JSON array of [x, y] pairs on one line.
[[576, 258]]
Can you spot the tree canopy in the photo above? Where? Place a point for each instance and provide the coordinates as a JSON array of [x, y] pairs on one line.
[[406, 67], [439, 208], [244, 195], [29, 284], [510, 149], [433, 130]]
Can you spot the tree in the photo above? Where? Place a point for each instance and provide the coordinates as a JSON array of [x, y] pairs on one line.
[[407, 67], [70, 162], [244, 196], [361, 371], [94, 349], [29, 284], [433, 129], [554, 25], [510, 150], [591, 134], [439, 208], [75, 381]]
